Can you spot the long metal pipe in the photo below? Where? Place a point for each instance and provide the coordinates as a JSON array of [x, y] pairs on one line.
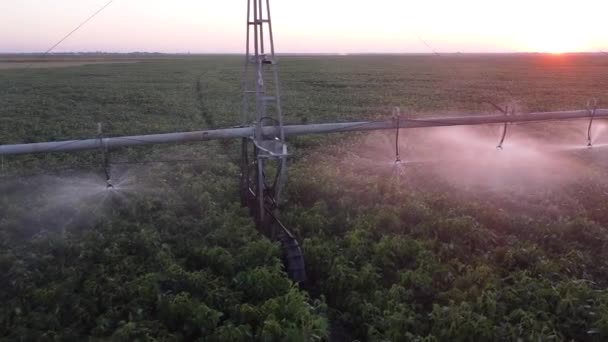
[[291, 130]]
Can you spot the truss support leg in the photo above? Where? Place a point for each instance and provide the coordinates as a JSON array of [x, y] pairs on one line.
[[245, 174], [261, 192]]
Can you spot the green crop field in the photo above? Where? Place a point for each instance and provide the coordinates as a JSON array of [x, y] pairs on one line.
[[460, 243]]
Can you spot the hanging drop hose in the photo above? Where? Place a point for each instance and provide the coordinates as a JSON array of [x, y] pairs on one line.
[[505, 111], [104, 157], [106, 169], [397, 118], [592, 108], [504, 136]]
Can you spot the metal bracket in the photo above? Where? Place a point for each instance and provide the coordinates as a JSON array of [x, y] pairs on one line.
[[271, 149], [591, 108]]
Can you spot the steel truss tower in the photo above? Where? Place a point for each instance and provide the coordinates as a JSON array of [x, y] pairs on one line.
[[264, 157]]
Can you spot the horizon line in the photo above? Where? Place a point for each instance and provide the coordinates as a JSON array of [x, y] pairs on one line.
[[187, 53]]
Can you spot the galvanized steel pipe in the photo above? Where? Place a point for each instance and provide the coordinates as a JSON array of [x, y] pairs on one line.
[[290, 130]]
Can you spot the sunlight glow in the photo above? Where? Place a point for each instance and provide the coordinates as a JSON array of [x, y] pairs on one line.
[[555, 43], [337, 26], [560, 29]]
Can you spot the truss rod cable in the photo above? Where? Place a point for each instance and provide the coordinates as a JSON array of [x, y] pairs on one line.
[[427, 45], [357, 126], [77, 28], [446, 61], [436, 53]]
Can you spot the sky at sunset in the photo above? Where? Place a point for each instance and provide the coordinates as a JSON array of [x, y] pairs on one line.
[[312, 26]]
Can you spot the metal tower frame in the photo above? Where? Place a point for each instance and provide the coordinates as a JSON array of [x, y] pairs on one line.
[[262, 108], [263, 155]]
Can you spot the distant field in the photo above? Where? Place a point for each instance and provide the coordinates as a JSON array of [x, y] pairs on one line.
[[161, 93], [462, 242], [53, 64], [11, 61]]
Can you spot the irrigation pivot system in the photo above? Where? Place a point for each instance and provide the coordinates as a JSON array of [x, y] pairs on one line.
[[290, 130], [264, 150]]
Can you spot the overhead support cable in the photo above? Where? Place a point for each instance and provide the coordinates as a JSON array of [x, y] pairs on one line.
[[49, 50]]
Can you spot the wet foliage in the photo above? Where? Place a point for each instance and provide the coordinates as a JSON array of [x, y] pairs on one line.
[[171, 255]]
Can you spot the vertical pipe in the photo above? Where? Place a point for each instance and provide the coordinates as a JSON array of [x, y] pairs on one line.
[[275, 70], [261, 11], [255, 27], [270, 28], [282, 173], [245, 169], [260, 194], [258, 87], [245, 172], [263, 108], [246, 68]]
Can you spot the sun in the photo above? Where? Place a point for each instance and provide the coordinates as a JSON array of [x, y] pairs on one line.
[[556, 45], [555, 41]]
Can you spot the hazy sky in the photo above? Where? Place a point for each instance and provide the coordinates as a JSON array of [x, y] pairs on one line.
[[340, 26]]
